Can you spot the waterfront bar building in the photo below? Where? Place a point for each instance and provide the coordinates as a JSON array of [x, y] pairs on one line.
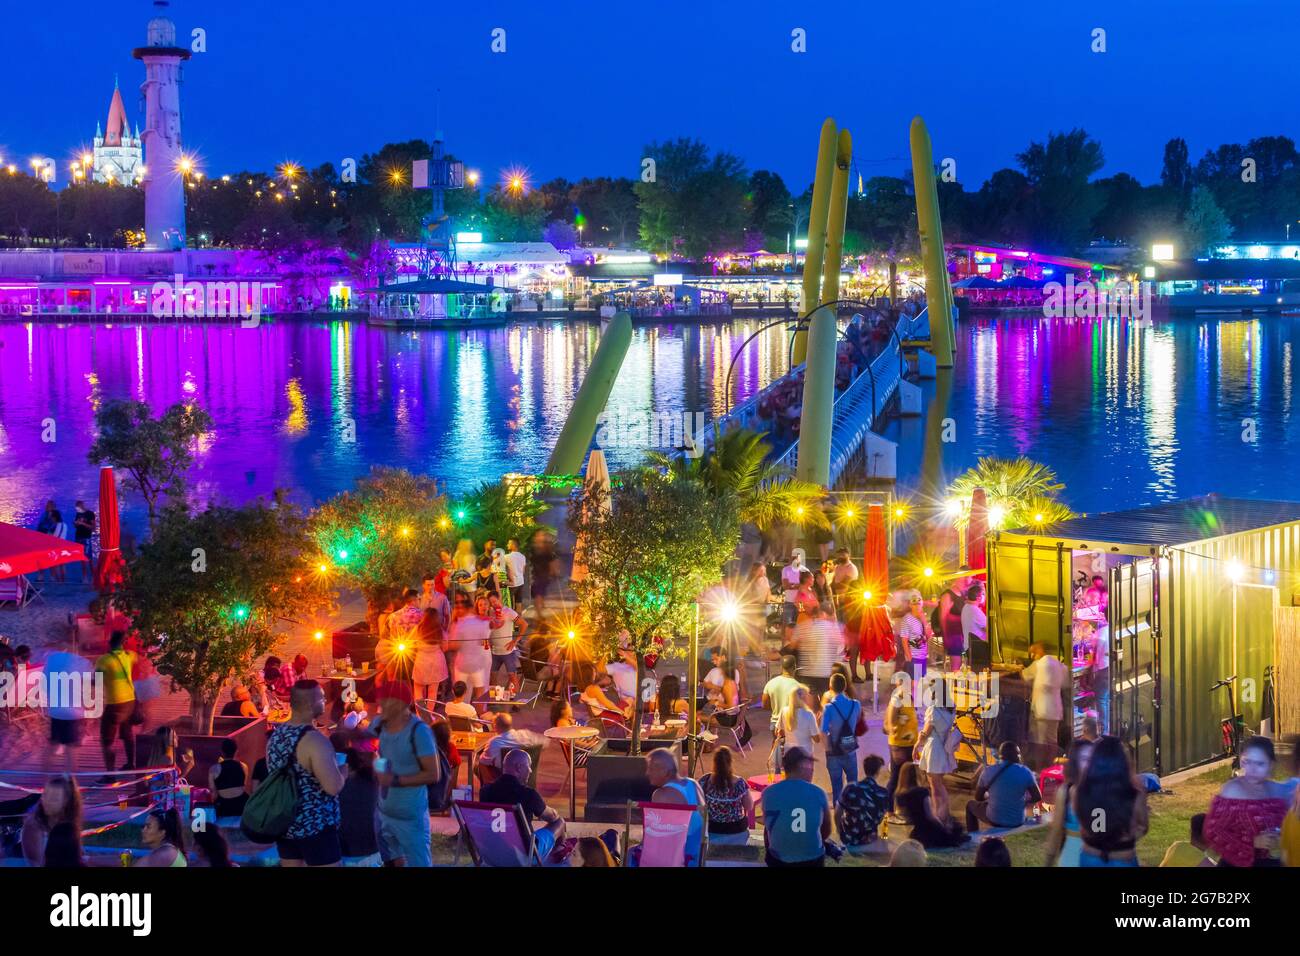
[[1198, 591]]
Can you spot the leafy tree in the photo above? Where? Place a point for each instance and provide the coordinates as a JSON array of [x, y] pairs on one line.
[[609, 207], [738, 467], [1003, 206], [649, 555], [381, 535], [1024, 492], [501, 510], [208, 590], [1205, 225], [696, 202], [1176, 171], [1063, 202], [155, 453]]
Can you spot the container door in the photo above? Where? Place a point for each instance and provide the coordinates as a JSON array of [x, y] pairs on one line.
[[1253, 607], [1135, 662]]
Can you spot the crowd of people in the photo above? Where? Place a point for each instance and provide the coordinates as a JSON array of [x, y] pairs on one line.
[[367, 773]]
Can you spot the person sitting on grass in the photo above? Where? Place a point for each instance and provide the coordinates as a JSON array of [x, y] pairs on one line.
[[862, 807], [993, 852], [511, 789], [908, 853], [1003, 792], [1193, 852], [796, 814], [927, 829]]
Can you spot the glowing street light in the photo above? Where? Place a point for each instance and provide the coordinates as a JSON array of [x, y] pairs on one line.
[[472, 177], [1235, 571]]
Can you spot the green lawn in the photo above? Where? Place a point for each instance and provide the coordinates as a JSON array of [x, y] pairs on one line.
[[1170, 814]]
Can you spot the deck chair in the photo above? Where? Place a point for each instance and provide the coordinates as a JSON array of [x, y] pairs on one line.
[[496, 834], [664, 829], [14, 591]]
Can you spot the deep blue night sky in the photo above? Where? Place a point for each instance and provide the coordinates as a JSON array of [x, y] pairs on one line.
[[584, 85]]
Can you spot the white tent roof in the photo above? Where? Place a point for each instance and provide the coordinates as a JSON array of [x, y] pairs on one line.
[[500, 253]]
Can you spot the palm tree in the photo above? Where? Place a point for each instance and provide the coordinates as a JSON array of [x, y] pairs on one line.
[[1021, 492], [739, 464]]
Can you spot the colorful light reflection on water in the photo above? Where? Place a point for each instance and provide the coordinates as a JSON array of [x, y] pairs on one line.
[[1127, 414], [463, 406]]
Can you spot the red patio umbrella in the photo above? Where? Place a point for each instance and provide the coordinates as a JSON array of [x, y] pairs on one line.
[[23, 551], [110, 568], [875, 636], [976, 530]]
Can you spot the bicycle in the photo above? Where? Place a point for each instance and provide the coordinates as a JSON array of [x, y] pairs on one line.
[[1233, 727]]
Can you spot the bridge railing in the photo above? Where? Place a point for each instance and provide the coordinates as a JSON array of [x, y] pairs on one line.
[[858, 407]]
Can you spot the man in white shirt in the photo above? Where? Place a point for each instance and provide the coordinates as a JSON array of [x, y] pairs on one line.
[[975, 626], [623, 672], [508, 739], [516, 562], [459, 705], [505, 642], [1047, 676], [1101, 676], [789, 588], [71, 693], [777, 691], [845, 573]]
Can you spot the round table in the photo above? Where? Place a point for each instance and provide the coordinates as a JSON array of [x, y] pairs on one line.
[[571, 735]]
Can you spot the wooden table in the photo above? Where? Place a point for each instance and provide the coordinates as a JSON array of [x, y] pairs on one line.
[[473, 743], [571, 735]]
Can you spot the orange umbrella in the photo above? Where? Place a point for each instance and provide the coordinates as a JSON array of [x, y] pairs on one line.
[[110, 568], [875, 636], [976, 530]]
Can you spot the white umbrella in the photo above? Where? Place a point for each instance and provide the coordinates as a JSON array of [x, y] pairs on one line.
[[597, 479]]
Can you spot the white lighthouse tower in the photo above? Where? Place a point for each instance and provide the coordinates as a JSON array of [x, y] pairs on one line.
[[164, 178]]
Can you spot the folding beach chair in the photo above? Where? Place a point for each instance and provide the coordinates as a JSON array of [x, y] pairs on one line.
[[665, 827], [496, 834], [16, 591]]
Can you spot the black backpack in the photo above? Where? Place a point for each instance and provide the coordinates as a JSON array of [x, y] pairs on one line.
[[440, 793]]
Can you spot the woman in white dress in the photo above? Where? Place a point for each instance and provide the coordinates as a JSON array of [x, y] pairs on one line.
[[470, 636], [935, 753]]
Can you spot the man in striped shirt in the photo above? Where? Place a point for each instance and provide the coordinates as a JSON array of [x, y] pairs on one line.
[[818, 643]]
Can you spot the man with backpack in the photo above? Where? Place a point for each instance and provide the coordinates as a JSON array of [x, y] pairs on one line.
[[840, 720], [298, 803], [408, 769]]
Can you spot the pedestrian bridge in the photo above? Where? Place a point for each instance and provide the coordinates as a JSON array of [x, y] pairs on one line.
[[858, 407]]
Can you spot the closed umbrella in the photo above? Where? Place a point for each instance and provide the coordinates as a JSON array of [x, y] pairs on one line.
[[977, 530], [596, 480], [110, 569], [875, 636]]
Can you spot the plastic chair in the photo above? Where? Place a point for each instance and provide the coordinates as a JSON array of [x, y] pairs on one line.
[[735, 717]]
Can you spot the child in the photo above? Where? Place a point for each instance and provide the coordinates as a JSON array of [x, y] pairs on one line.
[[1190, 853]]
